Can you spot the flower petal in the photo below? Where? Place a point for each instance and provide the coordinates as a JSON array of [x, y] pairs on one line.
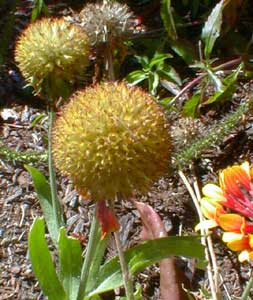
[[213, 191], [235, 242], [245, 256], [106, 219], [211, 209], [232, 222], [232, 178], [206, 224]]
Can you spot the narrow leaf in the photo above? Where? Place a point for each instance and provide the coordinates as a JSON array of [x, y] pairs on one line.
[[158, 57], [212, 28], [39, 7], [70, 263], [216, 80], [153, 82], [167, 18], [136, 76], [228, 87], [42, 262], [42, 188], [146, 254]]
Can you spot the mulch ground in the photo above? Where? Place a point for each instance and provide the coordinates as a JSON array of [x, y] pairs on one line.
[[169, 197]]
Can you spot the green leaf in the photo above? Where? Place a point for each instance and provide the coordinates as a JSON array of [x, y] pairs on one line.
[[170, 74], [184, 49], [136, 76], [168, 20], [146, 254], [42, 188], [191, 105], [39, 7], [143, 60], [165, 101], [228, 87], [42, 262], [158, 58], [212, 28], [39, 118], [153, 82], [70, 258], [216, 80]]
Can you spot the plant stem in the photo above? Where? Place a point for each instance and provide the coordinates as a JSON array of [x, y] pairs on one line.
[[109, 60], [128, 283], [91, 249], [52, 178], [247, 289]]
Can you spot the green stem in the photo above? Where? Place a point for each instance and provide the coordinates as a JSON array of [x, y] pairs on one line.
[[89, 257], [127, 279], [52, 178], [247, 289]]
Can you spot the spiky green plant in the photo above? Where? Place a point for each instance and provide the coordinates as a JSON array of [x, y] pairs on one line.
[[51, 54], [111, 139]]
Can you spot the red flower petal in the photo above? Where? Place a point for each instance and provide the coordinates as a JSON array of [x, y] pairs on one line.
[[107, 219]]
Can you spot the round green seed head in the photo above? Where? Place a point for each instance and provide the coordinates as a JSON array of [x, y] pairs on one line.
[[111, 139], [50, 54]]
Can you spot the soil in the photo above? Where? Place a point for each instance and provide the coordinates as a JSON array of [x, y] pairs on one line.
[[169, 197]]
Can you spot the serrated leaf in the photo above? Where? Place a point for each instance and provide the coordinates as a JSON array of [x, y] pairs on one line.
[[168, 20], [43, 190], [70, 258], [42, 262], [212, 28], [136, 76], [191, 105], [146, 254]]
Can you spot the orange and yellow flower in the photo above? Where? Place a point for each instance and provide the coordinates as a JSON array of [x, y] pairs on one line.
[[230, 206]]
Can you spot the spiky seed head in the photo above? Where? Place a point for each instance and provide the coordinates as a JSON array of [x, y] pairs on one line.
[[111, 139], [109, 18], [50, 54]]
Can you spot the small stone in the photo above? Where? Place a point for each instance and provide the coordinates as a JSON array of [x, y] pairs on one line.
[[15, 270]]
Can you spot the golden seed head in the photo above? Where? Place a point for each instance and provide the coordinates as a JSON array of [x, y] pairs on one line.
[[50, 54], [111, 139]]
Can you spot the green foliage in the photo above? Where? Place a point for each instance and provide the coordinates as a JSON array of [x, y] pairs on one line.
[[39, 8], [70, 260], [43, 190], [65, 286], [22, 157], [212, 28], [168, 20], [154, 70], [214, 136], [42, 262], [146, 254]]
